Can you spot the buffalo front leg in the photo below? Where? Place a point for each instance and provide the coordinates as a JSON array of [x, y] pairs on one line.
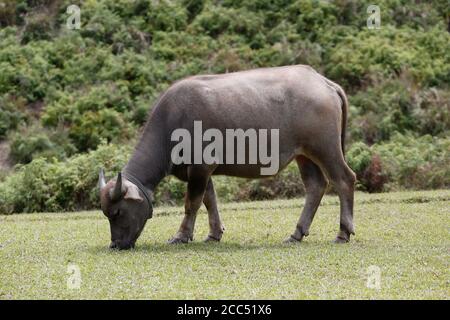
[[198, 178], [315, 186], [216, 227]]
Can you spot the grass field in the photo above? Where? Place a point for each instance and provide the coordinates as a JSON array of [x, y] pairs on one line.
[[405, 235]]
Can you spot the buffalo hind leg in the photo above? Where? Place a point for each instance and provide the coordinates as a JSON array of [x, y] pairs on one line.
[[345, 187], [198, 178], [216, 227], [343, 180], [315, 186]]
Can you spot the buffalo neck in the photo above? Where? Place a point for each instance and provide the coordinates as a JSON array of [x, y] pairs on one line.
[[150, 160]]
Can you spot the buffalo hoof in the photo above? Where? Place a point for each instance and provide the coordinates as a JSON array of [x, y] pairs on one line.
[[343, 236], [211, 238], [291, 239], [179, 240], [341, 240]]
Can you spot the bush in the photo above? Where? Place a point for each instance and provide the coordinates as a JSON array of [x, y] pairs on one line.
[[24, 72], [166, 15], [90, 128], [32, 143], [53, 185], [100, 114], [98, 83], [416, 162], [12, 114], [313, 18], [44, 185], [432, 113], [363, 59], [216, 20], [8, 13], [130, 38], [368, 168], [396, 106], [38, 26], [404, 162], [101, 24], [380, 111]]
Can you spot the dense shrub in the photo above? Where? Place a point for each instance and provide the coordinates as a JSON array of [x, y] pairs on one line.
[[91, 127], [45, 185], [215, 21], [433, 112], [63, 92], [405, 161], [397, 106], [53, 185], [38, 26], [419, 163], [313, 18], [8, 13], [97, 115], [383, 110], [12, 113], [365, 58], [368, 167], [31, 143]]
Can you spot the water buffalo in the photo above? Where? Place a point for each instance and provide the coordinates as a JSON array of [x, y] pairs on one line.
[[309, 111]]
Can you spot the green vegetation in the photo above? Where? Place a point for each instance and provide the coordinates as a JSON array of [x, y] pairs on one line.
[[409, 243], [70, 97]]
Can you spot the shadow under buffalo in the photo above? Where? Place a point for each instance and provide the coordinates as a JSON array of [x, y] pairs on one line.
[[147, 247]]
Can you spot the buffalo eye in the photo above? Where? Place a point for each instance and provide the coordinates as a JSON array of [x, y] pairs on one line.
[[115, 214]]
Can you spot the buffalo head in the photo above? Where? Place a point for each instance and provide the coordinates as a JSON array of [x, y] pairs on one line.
[[126, 208]]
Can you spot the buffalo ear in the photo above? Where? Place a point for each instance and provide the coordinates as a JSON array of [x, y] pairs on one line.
[[133, 193], [117, 192]]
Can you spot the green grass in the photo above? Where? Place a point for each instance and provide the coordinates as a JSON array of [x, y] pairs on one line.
[[405, 234]]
